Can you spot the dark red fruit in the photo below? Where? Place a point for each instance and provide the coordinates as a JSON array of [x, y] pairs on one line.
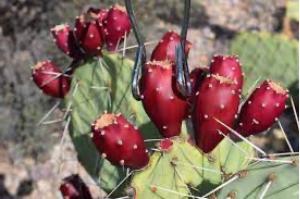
[[166, 48], [119, 141], [228, 66], [88, 33], [49, 78], [196, 76], [116, 26], [262, 109], [65, 40], [216, 98], [74, 188], [165, 107], [165, 145]]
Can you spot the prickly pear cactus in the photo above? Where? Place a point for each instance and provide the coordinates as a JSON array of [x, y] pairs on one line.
[[176, 170], [265, 180], [266, 56], [103, 84], [99, 85], [102, 116]]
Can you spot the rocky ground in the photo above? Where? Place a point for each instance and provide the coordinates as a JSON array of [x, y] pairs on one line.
[[30, 155]]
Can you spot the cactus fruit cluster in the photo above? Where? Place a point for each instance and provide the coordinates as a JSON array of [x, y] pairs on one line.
[[167, 145]]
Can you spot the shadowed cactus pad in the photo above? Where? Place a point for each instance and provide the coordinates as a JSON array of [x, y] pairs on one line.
[[266, 56], [272, 180]]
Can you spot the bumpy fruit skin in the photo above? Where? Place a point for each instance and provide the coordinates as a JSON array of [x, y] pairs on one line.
[[119, 141], [228, 66], [74, 188], [65, 40], [261, 110], [216, 98], [166, 48], [89, 33], [47, 76], [116, 26], [165, 107]]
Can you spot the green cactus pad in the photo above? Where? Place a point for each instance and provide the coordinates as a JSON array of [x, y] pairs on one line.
[[173, 173], [99, 85], [266, 56], [251, 185]]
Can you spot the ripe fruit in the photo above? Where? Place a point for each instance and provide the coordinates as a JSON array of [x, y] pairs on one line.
[[165, 107], [216, 98], [74, 188], [88, 33], [166, 48], [228, 66], [49, 78], [65, 40], [119, 141], [116, 26], [262, 109]]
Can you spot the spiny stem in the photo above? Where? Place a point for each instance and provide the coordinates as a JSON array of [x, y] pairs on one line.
[[270, 160], [68, 110], [174, 192], [100, 87], [295, 112], [284, 154], [136, 46], [48, 113], [285, 137], [222, 185], [242, 137], [152, 140], [125, 178], [52, 122], [55, 73], [61, 154], [265, 190], [51, 79], [197, 167], [124, 45], [233, 143]]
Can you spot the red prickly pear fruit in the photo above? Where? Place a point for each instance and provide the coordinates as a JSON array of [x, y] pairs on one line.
[[65, 40], [49, 78], [228, 66], [216, 99], [261, 110], [89, 33], [74, 188], [116, 26], [166, 48], [165, 107], [196, 76], [165, 145], [119, 141]]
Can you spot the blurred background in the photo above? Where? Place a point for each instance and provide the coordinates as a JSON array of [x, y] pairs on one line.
[[263, 33]]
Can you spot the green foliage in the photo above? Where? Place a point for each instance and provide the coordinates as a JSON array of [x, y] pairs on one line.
[[267, 56], [292, 10], [173, 173], [283, 178], [102, 85]]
